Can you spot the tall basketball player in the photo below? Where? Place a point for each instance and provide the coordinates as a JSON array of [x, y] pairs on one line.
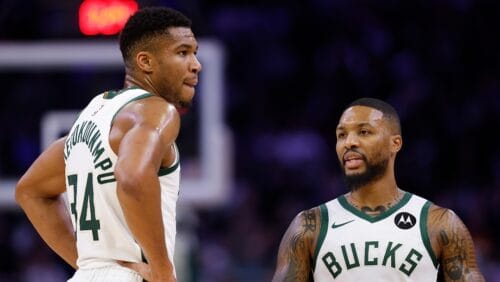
[[377, 231], [119, 163]]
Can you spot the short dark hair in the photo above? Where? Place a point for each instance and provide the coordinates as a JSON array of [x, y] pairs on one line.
[[146, 24], [387, 110]]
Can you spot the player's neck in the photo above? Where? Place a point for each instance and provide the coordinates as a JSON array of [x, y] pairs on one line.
[[376, 197], [131, 81]]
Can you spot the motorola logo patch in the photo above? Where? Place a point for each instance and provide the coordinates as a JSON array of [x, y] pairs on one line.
[[405, 220]]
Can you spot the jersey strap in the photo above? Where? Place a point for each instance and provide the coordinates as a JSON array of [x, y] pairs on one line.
[[322, 233], [425, 233]]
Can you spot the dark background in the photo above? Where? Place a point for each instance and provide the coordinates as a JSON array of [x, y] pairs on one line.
[[292, 66]]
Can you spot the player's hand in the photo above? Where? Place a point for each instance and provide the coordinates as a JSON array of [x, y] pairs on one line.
[[143, 269]]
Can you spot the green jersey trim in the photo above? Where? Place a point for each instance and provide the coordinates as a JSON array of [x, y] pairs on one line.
[[322, 233], [425, 234], [345, 204], [167, 170], [113, 93], [143, 257]]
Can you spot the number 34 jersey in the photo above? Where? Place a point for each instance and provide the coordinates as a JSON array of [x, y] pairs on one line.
[[393, 246], [102, 234]]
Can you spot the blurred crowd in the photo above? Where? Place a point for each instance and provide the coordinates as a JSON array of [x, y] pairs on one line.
[[292, 66]]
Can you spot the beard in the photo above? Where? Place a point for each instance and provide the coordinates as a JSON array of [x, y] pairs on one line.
[[373, 172]]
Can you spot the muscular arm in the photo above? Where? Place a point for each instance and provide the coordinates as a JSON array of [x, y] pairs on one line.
[[453, 246], [297, 248], [38, 192], [154, 125]]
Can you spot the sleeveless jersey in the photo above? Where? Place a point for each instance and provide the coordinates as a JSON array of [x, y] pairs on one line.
[[393, 246], [102, 234]]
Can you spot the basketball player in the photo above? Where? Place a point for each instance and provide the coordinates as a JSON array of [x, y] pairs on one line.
[[119, 163], [377, 231]]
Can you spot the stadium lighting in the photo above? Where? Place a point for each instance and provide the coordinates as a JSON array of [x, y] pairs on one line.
[[104, 17]]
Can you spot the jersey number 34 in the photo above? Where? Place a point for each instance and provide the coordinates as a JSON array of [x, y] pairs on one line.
[[87, 216]]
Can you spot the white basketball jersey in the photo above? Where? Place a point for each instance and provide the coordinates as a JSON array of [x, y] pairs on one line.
[[393, 246], [102, 234]]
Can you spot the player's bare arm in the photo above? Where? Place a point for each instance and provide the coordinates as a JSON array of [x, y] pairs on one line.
[[297, 248], [453, 246], [39, 191], [146, 131]]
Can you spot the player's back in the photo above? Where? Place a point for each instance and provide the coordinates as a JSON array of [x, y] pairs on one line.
[[102, 233]]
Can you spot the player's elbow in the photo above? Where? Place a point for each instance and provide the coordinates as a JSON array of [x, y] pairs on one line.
[[130, 182], [21, 194]]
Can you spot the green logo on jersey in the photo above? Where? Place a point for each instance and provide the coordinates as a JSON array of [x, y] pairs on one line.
[[341, 224], [350, 258]]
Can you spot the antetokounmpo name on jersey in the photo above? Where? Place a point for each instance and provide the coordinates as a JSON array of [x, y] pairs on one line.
[[350, 258], [87, 132]]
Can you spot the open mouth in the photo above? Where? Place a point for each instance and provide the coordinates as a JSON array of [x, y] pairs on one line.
[[353, 160]]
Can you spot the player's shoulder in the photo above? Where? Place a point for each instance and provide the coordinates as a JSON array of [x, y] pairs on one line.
[[151, 103], [442, 218], [152, 112], [151, 107], [440, 212], [305, 227], [311, 219], [308, 222], [309, 214], [438, 217]]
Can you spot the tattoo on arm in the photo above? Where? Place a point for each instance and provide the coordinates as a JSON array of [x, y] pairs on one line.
[[294, 257], [458, 259], [444, 238], [309, 218], [453, 265]]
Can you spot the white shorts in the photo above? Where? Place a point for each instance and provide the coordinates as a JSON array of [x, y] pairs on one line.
[[114, 273]]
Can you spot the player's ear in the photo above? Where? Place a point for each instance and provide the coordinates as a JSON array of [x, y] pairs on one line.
[[396, 143], [144, 61]]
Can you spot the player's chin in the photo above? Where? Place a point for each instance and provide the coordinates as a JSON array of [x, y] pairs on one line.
[[186, 99], [184, 105], [187, 95], [353, 172]]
